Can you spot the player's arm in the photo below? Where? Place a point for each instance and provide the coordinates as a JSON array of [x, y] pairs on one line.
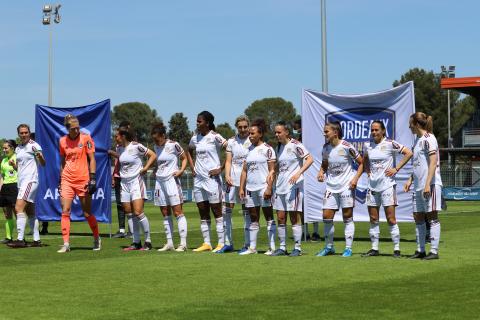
[[359, 161], [40, 158], [366, 163], [432, 165], [228, 167], [243, 180], [407, 155], [151, 158], [307, 162], [183, 165], [270, 178], [113, 154], [13, 163], [62, 165], [191, 164], [92, 169], [322, 171]]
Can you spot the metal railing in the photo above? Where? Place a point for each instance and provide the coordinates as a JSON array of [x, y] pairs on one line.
[[460, 175], [471, 137]]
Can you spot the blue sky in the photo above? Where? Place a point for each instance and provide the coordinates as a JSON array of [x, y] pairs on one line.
[[220, 55]]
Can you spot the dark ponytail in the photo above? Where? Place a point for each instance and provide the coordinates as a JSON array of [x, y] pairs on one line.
[[208, 117]]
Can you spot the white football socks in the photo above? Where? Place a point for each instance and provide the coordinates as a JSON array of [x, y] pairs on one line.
[[205, 228], [349, 232], [421, 232], [395, 234], [246, 227], [182, 229], [328, 230], [271, 231], [220, 230], [434, 236], [33, 222], [21, 224], [254, 227], [374, 233], [167, 226], [136, 229], [227, 220], [297, 236], [145, 226]]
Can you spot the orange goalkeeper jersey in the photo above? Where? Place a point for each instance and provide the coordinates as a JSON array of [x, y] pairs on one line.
[[76, 160]]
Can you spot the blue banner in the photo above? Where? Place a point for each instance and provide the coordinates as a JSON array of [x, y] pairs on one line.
[[461, 193], [355, 113], [94, 120]]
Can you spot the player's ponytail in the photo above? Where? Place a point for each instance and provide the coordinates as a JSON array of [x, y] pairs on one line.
[[11, 143], [336, 126], [209, 118], [429, 125], [423, 121]]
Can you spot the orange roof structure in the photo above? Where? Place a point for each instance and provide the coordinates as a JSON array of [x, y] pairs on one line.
[[467, 85]]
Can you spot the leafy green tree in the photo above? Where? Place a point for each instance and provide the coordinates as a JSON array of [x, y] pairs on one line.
[[271, 110], [141, 117], [178, 129], [225, 130], [432, 100]]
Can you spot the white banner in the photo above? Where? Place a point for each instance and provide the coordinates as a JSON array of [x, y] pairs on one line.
[[355, 113]]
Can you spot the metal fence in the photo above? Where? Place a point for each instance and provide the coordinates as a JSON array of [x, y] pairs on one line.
[[460, 175]]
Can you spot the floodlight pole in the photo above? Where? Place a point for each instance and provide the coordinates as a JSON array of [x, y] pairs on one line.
[[324, 47], [50, 12], [50, 66]]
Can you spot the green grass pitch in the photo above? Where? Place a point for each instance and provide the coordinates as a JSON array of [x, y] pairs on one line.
[[38, 283]]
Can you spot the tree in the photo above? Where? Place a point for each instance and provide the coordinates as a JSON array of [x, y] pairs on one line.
[[140, 115], [271, 110], [432, 100], [178, 129], [225, 130]]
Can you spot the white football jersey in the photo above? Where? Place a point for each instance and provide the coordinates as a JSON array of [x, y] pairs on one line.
[[423, 147], [207, 149], [381, 157], [257, 161], [290, 159], [238, 147], [340, 165], [131, 160], [27, 167], [167, 159]]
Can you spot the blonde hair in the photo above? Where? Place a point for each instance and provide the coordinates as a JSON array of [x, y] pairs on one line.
[[423, 121], [243, 117], [69, 118]]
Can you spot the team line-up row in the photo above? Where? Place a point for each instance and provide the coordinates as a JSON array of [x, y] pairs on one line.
[[253, 169]]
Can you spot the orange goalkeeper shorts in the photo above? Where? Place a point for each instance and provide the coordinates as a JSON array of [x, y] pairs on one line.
[[69, 190]]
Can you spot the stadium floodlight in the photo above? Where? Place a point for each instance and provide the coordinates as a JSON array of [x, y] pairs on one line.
[[50, 11], [451, 71], [448, 73]]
